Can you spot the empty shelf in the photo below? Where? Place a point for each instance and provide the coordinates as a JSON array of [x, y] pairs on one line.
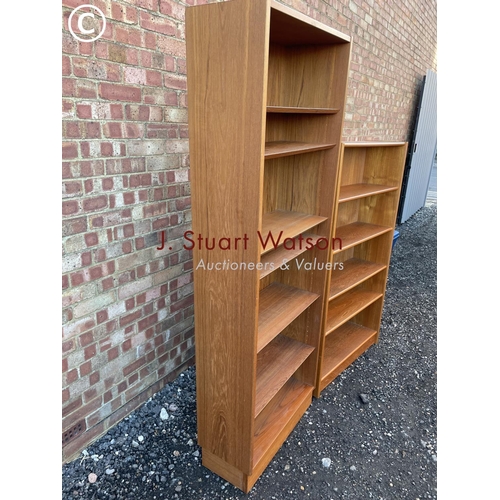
[[277, 149], [355, 191], [355, 271], [279, 305], [343, 347], [276, 363], [280, 416], [348, 305], [292, 109], [279, 225], [273, 260], [358, 232]]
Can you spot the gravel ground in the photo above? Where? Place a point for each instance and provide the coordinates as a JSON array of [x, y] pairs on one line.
[[372, 434]]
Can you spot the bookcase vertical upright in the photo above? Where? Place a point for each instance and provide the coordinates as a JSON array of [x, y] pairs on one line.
[[266, 96]]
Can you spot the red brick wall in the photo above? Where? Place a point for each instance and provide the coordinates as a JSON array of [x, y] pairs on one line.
[[127, 306]]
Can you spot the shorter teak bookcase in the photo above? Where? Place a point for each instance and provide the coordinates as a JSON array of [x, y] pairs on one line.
[[366, 205]]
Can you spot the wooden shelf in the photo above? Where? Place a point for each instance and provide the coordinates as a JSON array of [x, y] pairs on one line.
[[278, 149], [356, 191], [358, 232], [342, 347], [292, 109], [275, 365], [289, 224], [348, 305], [277, 420], [355, 271], [279, 305], [273, 260]]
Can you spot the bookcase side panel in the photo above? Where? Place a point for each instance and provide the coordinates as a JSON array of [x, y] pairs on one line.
[[227, 46]]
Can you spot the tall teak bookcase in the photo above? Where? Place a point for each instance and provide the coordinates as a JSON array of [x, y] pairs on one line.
[[366, 205], [266, 92]]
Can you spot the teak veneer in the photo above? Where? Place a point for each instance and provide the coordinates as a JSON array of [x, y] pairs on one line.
[[366, 206], [267, 89]]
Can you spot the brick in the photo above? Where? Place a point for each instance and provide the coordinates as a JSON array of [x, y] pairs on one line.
[[135, 287], [153, 78], [92, 130], [134, 366], [140, 180], [90, 352], [166, 130], [171, 46], [69, 150], [145, 148], [70, 207], [91, 239], [66, 65], [113, 130], [115, 92], [86, 339], [133, 130], [173, 81], [172, 9], [74, 226], [135, 75], [97, 203], [178, 115], [147, 322], [86, 368], [157, 24], [96, 303], [94, 378]]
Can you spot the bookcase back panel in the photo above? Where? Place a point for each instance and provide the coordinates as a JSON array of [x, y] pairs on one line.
[[343, 256], [373, 165], [380, 209], [290, 27], [301, 272], [312, 128], [353, 165], [370, 316], [291, 183], [348, 213], [383, 165], [301, 76], [375, 250]]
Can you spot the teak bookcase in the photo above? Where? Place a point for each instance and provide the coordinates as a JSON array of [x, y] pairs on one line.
[[365, 216], [266, 91]]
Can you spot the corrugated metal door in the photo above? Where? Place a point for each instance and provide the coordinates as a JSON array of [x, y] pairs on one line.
[[422, 152]]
